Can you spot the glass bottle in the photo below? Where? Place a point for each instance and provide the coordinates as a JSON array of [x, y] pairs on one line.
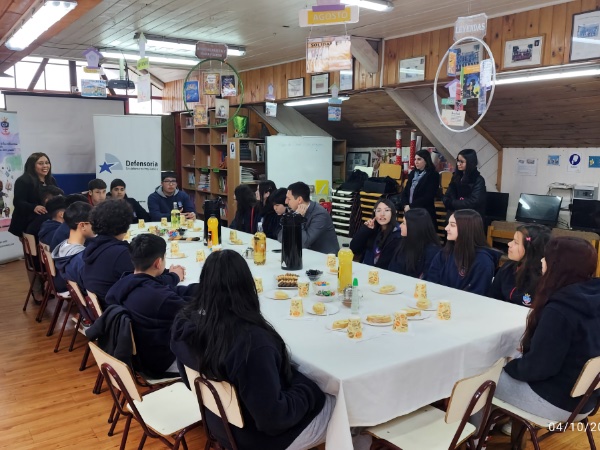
[[260, 246], [175, 216], [213, 229], [345, 257]]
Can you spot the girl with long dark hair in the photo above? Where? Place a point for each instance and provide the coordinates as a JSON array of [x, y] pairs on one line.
[[466, 261], [265, 189], [222, 334], [274, 208], [422, 186], [27, 202], [516, 280], [248, 210], [378, 238], [467, 187], [562, 333], [418, 246]]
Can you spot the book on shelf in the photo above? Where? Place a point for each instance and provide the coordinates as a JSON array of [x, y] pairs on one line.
[[204, 181]]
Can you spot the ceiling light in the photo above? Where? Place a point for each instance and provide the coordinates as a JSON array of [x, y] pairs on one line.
[[186, 45], [42, 19], [376, 5], [539, 75], [312, 101], [153, 58]]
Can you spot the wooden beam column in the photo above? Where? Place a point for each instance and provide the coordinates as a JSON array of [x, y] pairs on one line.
[[38, 74]]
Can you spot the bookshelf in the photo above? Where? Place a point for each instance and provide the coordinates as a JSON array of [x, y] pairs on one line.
[[207, 171]]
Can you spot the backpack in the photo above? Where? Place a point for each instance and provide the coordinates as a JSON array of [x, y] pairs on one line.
[[381, 185], [355, 181]]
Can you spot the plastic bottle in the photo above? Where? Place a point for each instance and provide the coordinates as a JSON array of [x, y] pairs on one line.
[[345, 257], [175, 216], [213, 228], [355, 297], [260, 246]]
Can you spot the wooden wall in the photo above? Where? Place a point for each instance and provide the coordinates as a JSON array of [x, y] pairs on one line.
[[553, 22]]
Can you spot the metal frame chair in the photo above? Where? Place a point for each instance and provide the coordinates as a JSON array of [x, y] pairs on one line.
[[429, 428], [210, 396], [587, 382], [171, 410], [50, 270]]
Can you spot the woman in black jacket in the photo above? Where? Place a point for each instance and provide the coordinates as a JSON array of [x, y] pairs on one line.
[[248, 210], [516, 281], [27, 202], [222, 334], [561, 335], [378, 238], [467, 188], [422, 186], [272, 212]]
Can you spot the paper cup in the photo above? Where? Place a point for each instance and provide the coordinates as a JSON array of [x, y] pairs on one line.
[[400, 323], [303, 287], [373, 277], [296, 307], [444, 310], [164, 222], [421, 289], [232, 235], [141, 223], [331, 262], [258, 284], [354, 329], [200, 256], [174, 248], [190, 223]]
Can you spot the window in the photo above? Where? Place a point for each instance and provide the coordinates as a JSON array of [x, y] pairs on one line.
[[8, 81], [25, 73], [57, 77]]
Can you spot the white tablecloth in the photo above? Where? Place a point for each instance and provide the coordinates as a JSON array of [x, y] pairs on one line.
[[386, 374]]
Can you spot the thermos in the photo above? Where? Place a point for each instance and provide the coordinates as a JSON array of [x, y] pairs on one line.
[[291, 241]]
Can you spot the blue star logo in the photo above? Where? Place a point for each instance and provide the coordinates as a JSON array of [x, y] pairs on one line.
[[106, 167]]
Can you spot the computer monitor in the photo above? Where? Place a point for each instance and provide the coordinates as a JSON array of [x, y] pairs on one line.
[[496, 204], [541, 209], [585, 215]]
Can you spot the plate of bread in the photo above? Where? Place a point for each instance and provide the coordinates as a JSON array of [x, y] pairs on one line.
[[378, 320], [338, 325], [431, 306], [277, 294], [176, 255], [386, 289], [322, 309], [417, 314], [287, 281]]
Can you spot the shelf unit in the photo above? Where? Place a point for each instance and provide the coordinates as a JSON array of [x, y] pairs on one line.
[[245, 157], [207, 171], [339, 162]]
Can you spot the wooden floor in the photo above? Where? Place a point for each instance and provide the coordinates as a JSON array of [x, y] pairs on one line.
[[47, 403]]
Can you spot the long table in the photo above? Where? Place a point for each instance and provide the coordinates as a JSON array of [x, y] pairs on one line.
[[386, 374]]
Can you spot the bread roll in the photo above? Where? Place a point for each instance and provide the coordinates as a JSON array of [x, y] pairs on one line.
[[319, 308], [379, 318]]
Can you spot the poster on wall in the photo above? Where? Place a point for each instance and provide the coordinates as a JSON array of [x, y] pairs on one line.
[[212, 84], [412, 69], [11, 168], [228, 85], [527, 167], [222, 108], [328, 54], [574, 163], [594, 162], [192, 91], [93, 88], [144, 88], [553, 160]]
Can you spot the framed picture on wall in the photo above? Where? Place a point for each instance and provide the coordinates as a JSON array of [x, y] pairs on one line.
[[357, 159], [585, 37], [346, 80], [295, 87], [412, 69], [319, 83], [523, 52]]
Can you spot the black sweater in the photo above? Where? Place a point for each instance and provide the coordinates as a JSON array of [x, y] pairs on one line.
[[567, 335], [398, 263], [424, 194], [27, 197], [364, 243], [275, 412], [467, 192], [504, 286]]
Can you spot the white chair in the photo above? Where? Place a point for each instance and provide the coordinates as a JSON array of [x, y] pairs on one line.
[[171, 410], [587, 382], [220, 398], [432, 429]]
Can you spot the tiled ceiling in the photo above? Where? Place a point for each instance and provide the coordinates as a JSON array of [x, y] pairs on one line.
[[267, 28]]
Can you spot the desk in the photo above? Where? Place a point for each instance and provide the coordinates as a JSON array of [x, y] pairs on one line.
[[387, 374]]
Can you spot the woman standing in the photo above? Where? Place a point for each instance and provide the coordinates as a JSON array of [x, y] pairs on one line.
[[222, 334], [418, 246], [378, 238], [516, 280], [467, 187], [422, 186], [248, 210], [562, 333], [466, 262], [38, 172]]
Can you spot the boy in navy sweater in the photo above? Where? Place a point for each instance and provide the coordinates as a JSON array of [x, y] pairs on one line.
[[56, 209], [152, 303], [160, 202]]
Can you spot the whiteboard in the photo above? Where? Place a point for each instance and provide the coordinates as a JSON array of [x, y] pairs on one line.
[[299, 158], [60, 126]]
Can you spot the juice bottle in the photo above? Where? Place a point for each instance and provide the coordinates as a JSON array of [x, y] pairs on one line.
[[213, 228], [260, 246], [175, 216], [345, 257]]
